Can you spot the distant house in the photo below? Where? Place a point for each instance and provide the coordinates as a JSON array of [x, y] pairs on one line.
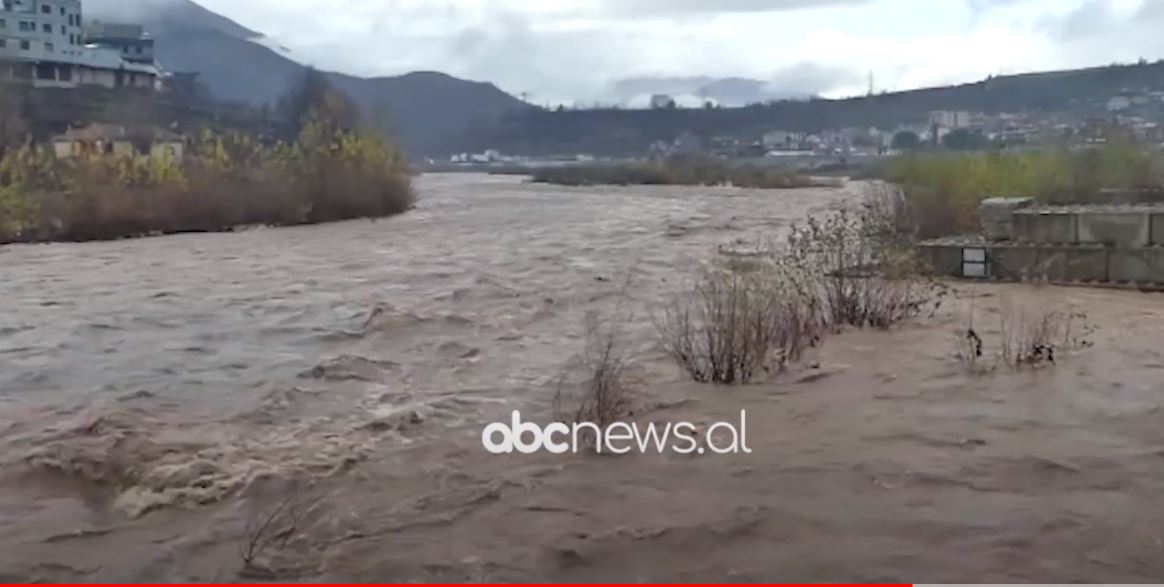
[[1119, 104], [659, 149], [688, 143], [951, 119], [130, 40], [118, 140], [782, 140], [42, 44]]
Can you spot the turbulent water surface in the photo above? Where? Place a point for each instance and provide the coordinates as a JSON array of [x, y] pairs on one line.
[[161, 398]]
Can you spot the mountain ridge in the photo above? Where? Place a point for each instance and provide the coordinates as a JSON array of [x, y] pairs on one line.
[[1080, 93], [427, 112]]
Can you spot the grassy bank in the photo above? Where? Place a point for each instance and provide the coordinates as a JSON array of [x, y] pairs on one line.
[[222, 181], [943, 191], [674, 171]]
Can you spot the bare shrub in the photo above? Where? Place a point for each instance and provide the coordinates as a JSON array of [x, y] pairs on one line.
[[1026, 338], [608, 393], [731, 323], [607, 396], [861, 279], [889, 217], [1038, 337], [269, 529]]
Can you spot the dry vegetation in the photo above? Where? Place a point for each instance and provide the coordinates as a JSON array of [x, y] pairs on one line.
[[759, 310], [733, 323], [271, 526], [1024, 337], [942, 191], [607, 395], [328, 171]]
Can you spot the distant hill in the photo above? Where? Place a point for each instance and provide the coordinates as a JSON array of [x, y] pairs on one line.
[[727, 92], [427, 112], [1082, 93]]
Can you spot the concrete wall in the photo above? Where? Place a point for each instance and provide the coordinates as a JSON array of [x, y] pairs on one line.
[[944, 260], [1014, 263], [1109, 244], [1115, 229], [1137, 266], [1062, 264], [1046, 227], [1068, 264], [96, 77]]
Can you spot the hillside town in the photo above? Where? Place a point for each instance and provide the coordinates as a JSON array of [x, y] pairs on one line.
[[1137, 113], [51, 45]]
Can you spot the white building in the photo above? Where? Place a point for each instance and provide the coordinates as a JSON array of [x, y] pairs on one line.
[[1118, 104], [42, 43], [952, 119], [782, 139]]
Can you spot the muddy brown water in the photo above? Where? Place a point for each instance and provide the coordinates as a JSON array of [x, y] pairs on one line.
[[160, 397]]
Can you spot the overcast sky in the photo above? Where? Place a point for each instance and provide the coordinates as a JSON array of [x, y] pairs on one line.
[[574, 50]]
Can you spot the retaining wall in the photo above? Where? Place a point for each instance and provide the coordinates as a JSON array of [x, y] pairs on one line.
[[1088, 263]]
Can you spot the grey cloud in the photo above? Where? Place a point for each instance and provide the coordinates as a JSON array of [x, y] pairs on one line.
[[547, 64], [797, 81], [664, 8], [1093, 18], [1095, 29], [986, 5], [813, 79]]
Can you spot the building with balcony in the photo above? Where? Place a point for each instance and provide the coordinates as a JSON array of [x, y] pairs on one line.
[[131, 40], [43, 44]]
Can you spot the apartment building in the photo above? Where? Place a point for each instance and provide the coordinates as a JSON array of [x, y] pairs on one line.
[[43, 43]]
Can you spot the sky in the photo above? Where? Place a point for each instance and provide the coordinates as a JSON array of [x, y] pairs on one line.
[[576, 51]]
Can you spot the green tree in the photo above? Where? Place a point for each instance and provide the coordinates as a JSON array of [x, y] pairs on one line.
[[906, 140], [964, 140], [315, 95]]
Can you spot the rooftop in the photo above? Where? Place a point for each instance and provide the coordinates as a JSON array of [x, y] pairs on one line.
[[112, 132]]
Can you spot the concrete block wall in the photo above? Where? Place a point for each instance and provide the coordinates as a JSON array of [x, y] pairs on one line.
[[1137, 266], [1046, 226], [1158, 229], [1122, 230], [1071, 265], [1098, 244], [1015, 262], [997, 216], [1120, 227]]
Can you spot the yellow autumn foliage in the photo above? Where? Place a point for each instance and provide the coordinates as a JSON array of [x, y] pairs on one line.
[[223, 180]]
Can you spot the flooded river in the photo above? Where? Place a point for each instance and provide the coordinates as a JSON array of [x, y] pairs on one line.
[[159, 397]]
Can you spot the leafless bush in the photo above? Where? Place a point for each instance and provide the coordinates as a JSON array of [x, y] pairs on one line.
[[731, 323], [1040, 337], [269, 529], [863, 278], [607, 396], [1027, 337], [889, 217]]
